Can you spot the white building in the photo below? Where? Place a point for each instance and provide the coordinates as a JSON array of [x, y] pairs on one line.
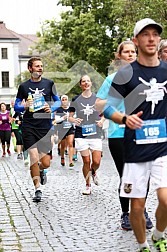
[[14, 53]]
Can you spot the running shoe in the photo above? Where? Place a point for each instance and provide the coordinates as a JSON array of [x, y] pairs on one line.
[[9, 153], [71, 165], [95, 179], [149, 223], [26, 162], [38, 196], [62, 161], [160, 245], [4, 154], [145, 250], [43, 176], [20, 156], [75, 157], [87, 191], [125, 222]]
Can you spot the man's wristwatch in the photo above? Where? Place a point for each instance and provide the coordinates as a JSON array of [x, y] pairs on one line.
[[124, 118]]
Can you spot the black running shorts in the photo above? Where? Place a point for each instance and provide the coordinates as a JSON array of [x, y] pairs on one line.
[[37, 138]]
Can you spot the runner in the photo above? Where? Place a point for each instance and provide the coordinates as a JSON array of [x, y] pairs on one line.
[[65, 130], [37, 92], [162, 50], [126, 52], [143, 83], [88, 131]]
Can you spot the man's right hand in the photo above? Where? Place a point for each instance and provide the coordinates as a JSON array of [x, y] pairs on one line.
[[134, 121]]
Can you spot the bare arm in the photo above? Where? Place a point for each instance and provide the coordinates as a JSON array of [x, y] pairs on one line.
[[71, 119], [132, 121], [99, 105]]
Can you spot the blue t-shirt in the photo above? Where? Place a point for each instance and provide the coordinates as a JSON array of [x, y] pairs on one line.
[[114, 130], [144, 89]]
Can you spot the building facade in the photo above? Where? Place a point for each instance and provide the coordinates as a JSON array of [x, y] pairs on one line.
[[15, 51]]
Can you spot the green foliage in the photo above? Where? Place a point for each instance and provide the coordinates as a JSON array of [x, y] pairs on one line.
[[83, 35], [53, 57], [91, 31], [52, 54], [135, 10], [21, 78]]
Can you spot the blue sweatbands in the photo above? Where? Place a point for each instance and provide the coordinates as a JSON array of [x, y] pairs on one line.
[[108, 112]]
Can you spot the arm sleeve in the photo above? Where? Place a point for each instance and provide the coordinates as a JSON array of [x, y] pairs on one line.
[[56, 103], [17, 106]]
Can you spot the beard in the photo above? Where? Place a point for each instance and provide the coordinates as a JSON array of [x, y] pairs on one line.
[[36, 75]]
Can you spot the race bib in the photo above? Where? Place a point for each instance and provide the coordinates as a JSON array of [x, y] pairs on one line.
[[152, 131], [39, 103], [66, 125], [89, 129]]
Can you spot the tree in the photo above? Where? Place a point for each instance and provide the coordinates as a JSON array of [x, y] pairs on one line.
[[21, 78], [83, 33], [135, 10], [92, 29]]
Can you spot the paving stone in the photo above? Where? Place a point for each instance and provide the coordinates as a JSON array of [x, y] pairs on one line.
[[65, 220]]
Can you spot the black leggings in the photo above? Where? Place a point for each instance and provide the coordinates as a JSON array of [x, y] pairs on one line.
[[5, 136], [18, 135], [116, 146]]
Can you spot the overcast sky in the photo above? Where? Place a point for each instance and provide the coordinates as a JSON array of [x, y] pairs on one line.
[[26, 16]]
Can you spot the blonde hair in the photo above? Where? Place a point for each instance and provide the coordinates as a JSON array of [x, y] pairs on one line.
[[121, 47]]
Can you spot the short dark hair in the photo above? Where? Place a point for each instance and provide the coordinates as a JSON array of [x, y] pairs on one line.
[[31, 61]]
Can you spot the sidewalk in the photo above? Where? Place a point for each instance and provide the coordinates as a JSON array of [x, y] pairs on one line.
[[65, 220]]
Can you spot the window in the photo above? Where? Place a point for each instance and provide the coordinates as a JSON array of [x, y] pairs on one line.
[[5, 79], [4, 53]]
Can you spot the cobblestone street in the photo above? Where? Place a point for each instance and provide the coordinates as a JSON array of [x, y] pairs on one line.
[[65, 220]]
